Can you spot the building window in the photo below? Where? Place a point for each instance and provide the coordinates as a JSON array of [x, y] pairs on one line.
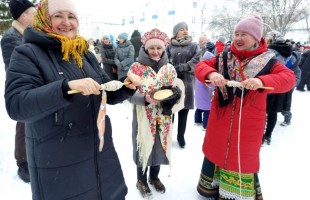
[[204, 6], [194, 4], [204, 20], [194, 20], [193, 34]]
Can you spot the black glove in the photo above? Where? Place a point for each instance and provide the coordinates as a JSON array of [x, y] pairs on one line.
[[169, 102], [184, 67]]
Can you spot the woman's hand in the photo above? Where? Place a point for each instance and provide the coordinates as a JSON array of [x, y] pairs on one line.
[[217, 79], [252, 83], [87, 86], [133, 81]]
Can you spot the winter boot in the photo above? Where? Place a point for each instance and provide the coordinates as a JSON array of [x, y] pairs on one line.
[[287, 118], [144, 189], [158, 185]]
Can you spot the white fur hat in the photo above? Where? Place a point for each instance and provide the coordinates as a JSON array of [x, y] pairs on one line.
[[55, 6]]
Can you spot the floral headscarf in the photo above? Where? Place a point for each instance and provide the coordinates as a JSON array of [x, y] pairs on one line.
[[69, 47]]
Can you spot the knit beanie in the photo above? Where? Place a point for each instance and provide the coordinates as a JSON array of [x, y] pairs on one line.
[[252, 25], [154, 37], [210, 46], [123, 36], [222, 39], [17, 7], [55, 6], [105, 37], [178, 27]]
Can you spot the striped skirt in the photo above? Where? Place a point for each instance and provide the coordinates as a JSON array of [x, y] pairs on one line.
[[217, 183]]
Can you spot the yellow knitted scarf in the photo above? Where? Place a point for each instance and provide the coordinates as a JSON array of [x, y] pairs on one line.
[[69, 47]]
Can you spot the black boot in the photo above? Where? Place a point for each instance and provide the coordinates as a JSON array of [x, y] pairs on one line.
[[287, 118], [23, 172], [181, 141]]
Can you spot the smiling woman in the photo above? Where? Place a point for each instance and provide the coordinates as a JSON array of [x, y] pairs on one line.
[[64, 23], [61, 129]]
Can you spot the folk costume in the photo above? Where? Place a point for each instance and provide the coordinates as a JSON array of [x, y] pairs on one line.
[[152, 130], [233, 140]]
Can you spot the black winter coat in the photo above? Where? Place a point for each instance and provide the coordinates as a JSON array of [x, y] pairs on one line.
[[305, 67], [107, 59], [11, 39], [136, 42], [61, 134]]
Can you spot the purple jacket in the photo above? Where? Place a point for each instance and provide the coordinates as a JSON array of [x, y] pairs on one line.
[[202, 92], [203, 95]]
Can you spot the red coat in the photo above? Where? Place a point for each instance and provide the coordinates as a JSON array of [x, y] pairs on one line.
[[221, 140], [219, 46]]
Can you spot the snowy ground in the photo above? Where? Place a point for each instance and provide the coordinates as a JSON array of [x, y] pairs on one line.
[[284, 164]]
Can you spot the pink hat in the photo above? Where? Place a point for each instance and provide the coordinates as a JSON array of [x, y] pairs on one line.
[[251, 25], [55, 6], [154, 37]]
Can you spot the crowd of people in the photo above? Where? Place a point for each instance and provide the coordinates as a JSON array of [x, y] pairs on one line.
[[226, 82]]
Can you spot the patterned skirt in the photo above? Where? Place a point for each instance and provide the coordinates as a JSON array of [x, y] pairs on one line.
[[217, 183]]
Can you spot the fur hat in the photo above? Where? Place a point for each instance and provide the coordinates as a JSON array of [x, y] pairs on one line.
[[55, 6], [252, 25], [273, 37], [178, 27], [154, 37], [123, 36], [17, 7]]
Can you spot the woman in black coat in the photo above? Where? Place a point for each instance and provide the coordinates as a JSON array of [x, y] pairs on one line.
[[305, 72], [107, 57], [61, 130]]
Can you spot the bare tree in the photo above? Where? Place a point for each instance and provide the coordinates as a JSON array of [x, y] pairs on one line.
[[279, 15], [223, 22]]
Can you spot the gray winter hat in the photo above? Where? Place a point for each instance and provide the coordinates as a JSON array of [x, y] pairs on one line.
[[178, 27], [222, 39], [123, 36], [105, 37]]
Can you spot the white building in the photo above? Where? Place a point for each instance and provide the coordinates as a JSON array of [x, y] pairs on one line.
[[145, 15]]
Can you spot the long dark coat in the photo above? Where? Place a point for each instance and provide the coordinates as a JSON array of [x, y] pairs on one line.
[[136, 42], [61, 132], [11, 39], [107, 59], [184, 56]]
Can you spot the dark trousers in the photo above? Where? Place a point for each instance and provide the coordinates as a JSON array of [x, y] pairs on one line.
[[154, 171], [288, 100], [202, 116], [286, 112], [303, 81], [20, 144], [271, 123], [182, 119]]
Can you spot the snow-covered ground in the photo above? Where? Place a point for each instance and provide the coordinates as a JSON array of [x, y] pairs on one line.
[[284, 164]]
